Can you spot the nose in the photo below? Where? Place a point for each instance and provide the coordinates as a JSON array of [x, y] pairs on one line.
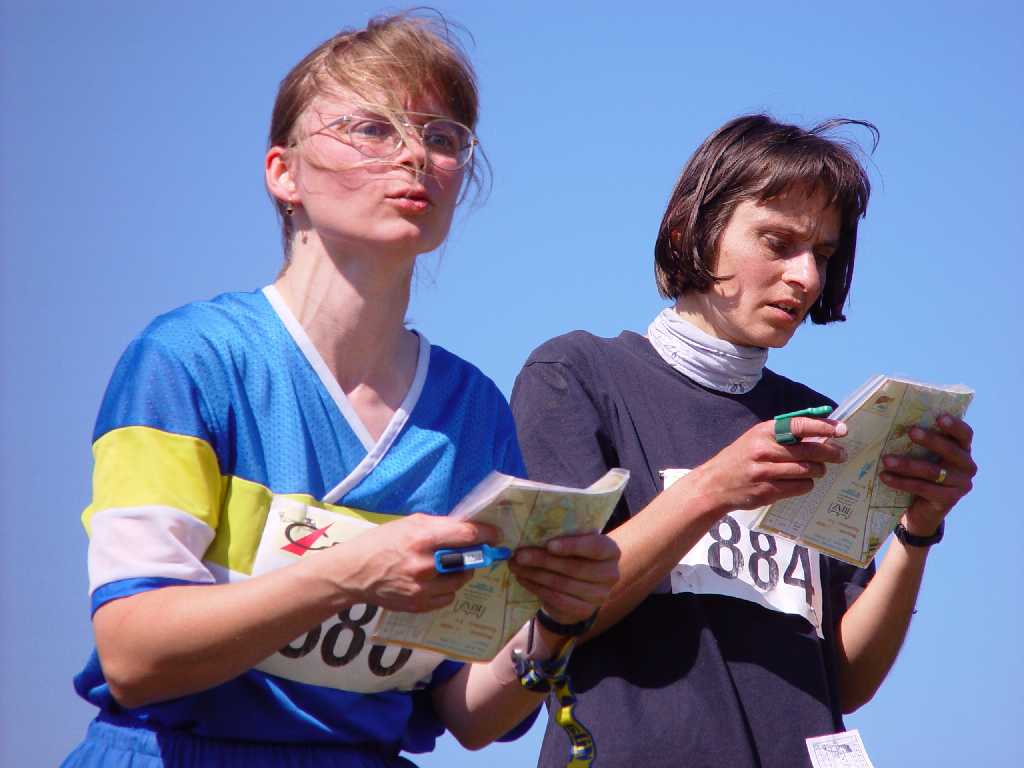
[[804, 271], [412, 150]]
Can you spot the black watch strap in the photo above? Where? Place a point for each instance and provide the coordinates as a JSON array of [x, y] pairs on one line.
[[566, 630], [910, 540]]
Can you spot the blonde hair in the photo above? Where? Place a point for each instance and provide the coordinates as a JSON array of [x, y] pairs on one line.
[[408, 56]]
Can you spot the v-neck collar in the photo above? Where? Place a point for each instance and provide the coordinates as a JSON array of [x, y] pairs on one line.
[[375, 450]]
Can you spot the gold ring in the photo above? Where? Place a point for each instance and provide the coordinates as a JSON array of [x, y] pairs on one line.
[[942, 476]]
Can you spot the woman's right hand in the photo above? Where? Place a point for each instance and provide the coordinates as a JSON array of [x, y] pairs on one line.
[[168, 642], [755, 470], [393, 565]]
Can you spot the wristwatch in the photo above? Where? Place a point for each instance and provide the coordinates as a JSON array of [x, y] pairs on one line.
[[566, 630], [910, 540]]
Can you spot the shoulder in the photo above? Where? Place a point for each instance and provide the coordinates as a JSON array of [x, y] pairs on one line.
[[577, 375], [564, 348], [230, 320], [461, 373], [474, 412], [581, 348], [588, 357], [571, 347], [448, 362], [176, 374], [213, 342]]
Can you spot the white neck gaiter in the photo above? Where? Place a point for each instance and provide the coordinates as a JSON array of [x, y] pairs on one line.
[[709, 361]]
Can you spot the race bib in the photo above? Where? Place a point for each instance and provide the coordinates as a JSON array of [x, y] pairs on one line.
[[338, 653], [735, 561]]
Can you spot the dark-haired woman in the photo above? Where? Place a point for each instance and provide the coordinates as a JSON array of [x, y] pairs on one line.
[[721, 646], [274, 467]]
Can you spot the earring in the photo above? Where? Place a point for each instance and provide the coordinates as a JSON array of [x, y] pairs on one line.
[[289, 209]]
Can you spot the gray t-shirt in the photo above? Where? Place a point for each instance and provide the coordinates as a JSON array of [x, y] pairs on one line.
[[731, 661]]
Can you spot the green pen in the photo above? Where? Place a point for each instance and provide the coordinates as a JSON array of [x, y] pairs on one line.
[[783, 435], [821, 410]]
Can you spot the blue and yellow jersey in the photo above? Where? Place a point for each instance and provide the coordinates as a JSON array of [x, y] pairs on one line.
[[225, 449]]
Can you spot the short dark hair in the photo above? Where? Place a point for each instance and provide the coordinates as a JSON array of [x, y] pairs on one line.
[[756, 158]]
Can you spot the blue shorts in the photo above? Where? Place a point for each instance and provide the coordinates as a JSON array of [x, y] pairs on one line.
[[117, 745]]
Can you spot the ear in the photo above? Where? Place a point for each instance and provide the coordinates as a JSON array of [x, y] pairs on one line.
[[279, 175]]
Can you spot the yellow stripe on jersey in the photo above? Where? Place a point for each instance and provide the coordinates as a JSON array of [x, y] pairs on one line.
[[244, 516], [141, 466]]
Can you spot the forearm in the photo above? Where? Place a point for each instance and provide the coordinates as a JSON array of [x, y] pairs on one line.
[[653, 542], [484, 701], [176, 640], [173, 641], [872, 631]]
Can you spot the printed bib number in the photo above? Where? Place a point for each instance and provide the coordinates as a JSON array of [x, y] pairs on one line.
[[733, 560], [344, 641], [338, 653]]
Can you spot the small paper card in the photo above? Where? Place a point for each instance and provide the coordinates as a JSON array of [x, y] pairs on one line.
[[838, 750]]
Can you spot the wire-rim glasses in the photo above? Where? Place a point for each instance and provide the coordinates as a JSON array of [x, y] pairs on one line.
[[448, 143]]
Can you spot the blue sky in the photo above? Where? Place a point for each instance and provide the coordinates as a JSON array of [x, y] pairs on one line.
[[132, 144]]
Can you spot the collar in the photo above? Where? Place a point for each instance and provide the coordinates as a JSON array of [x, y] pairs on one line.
[[709, 361]]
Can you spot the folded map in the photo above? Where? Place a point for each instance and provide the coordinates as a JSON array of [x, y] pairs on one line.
[[850, 512], [492, 606]]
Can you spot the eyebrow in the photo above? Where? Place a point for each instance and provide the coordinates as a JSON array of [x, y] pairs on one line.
[[792, 229]]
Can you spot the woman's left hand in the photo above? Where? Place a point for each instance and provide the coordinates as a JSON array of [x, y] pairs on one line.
[[936, 487], [572, 575]]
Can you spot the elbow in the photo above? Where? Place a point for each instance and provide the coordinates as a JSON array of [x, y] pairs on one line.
[[133, 680], [473, 745], [849, 707], [129, 686], [132, 675], [473, 739], [852, 698], [126, 697]]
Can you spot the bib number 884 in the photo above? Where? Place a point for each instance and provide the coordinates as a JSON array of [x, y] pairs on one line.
[[726, 559]]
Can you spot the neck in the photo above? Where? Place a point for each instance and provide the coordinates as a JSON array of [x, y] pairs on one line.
[[352, 305], [693, 309]]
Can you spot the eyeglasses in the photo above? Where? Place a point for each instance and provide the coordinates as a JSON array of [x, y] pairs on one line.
[[449, 144]]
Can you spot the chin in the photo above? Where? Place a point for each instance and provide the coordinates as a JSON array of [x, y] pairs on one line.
[[771, 338], [414, 238], [778, 340]]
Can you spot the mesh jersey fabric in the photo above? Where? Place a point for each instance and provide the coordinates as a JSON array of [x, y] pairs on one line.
[[704, 675], [215, 416], [113, 742]]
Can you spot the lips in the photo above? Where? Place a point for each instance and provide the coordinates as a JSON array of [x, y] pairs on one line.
[[414, 194], [791, 307]]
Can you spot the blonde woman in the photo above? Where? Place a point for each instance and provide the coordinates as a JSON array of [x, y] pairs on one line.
[[246, 443]]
